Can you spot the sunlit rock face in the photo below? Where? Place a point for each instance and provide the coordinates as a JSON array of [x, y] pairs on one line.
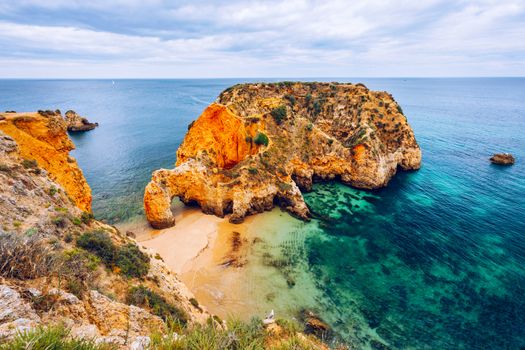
[[262, 144], [44, 139]]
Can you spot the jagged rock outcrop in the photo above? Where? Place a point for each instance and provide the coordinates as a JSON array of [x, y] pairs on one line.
[[43, 139], [503, 159], [77, 123], [259, 144]]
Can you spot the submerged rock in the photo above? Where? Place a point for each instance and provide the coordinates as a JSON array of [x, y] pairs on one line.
[[77, 123], [259, 144], [502, 159]]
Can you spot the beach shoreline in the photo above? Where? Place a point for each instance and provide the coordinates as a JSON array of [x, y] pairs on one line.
[[224, 264]]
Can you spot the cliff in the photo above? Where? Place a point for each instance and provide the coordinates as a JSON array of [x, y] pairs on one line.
[[58, 265], [43, 139], [261, 144]]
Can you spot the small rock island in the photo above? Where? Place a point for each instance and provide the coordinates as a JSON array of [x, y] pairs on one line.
[[503, 159], [262, 144]]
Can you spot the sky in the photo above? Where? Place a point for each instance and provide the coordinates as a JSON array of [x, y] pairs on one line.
[[291, 38]]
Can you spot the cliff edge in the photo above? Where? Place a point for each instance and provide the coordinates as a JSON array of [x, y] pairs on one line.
[[262, 144], [43, 143]]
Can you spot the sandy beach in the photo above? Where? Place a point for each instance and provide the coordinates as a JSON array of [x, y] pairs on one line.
[[225, 265]]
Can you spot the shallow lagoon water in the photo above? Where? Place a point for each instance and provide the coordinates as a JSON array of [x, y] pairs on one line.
[[435, 261]]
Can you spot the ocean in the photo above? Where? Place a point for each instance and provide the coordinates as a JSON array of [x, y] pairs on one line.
[[434, 261]]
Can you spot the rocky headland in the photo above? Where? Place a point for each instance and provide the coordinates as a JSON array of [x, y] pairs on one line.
[[262, 144]]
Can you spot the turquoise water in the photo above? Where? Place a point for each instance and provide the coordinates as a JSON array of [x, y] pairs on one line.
[[434, 261]]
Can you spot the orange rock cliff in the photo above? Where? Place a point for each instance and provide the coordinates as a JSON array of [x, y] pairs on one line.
[[44, 139], [262, 144]]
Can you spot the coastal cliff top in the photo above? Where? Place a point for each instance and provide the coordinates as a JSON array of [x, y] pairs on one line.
[[261, 144]]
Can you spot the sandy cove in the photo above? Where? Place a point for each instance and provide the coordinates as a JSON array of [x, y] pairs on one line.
[[223, 263]]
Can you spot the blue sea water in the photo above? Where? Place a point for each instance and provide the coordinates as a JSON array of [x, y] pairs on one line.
[[434, 261]]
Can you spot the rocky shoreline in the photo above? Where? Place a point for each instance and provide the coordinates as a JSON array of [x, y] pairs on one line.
[[260, 145]]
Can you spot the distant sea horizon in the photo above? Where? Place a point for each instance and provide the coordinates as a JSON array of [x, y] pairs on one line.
[[434, 261]]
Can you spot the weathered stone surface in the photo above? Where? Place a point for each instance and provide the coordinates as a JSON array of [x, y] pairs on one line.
[[503, 159], [259, 144], [45, 140], [76, 123]]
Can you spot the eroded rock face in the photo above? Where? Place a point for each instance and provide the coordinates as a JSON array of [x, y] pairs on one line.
[[502, 159], [259, 144], [44, 139], [77, 123]]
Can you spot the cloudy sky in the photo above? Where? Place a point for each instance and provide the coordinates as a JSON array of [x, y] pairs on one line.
[[290, 38]]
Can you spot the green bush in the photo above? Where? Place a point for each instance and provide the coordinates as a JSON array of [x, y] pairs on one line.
[[29, 164], [144, 297], [128, 258], [52, 190], [279, 114], [59, 220], [261, 139], [291, 99], [131, 261], [399, 109], [195, 303], [100, 244], [86, 217]]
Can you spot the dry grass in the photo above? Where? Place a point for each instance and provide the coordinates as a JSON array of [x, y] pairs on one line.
[[25, 257]]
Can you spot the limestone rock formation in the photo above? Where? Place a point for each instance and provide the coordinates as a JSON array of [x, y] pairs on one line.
[[39, 228], [502, 159], [261, 144], [43, 143], [77, 123]]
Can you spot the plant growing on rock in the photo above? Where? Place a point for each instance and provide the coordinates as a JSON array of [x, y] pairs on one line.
[[144, 297], [279, 114], [261, 139], [130, 261]]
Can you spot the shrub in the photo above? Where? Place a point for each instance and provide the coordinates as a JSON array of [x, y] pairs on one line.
[[195, 303], [399, 109], [52, 190], [144, 297], [100, 244], [310, 127], [261, 139], [5, 168], [25, 257], [317, 107], [86, 217], [131, 261], [291, 99], [77, 221], [128, 258], [308, 98], [29, 164], [253, 171], [279, 114], [78, 268], [59, 220]]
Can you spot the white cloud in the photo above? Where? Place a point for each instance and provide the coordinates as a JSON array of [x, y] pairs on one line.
[[269, 38]]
